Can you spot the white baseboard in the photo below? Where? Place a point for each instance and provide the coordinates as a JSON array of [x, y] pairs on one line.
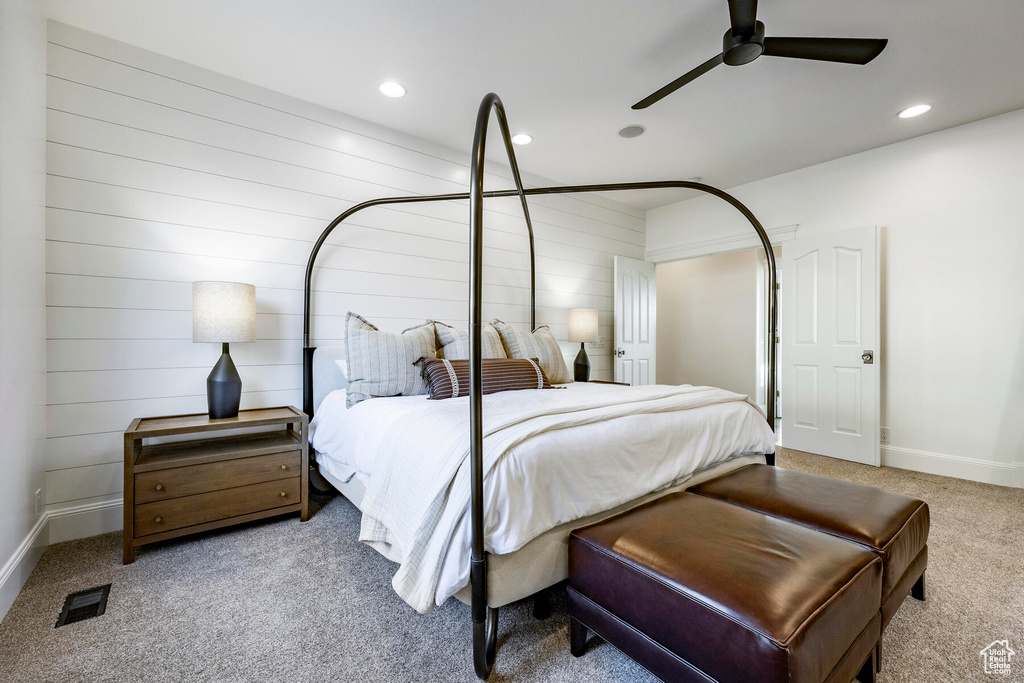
[[57, 524], [985, 471], [16, 570], [86, 519]]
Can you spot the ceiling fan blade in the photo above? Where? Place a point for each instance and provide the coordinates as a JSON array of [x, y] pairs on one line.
[[846, 50], [678, 83], [742, 15]]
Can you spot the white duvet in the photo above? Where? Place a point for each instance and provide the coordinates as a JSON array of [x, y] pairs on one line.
[[556, 476]]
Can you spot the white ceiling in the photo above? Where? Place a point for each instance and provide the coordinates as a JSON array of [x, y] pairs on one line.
[[569, 70]]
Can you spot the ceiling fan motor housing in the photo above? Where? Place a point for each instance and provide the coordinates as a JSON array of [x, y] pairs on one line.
[[743, 48]]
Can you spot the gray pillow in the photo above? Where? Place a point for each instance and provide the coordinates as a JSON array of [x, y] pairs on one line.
[[455, 343], [381, 363], [540, 345]]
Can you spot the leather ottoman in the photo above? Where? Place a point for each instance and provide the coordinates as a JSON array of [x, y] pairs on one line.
[[893, 526], [696, 589]]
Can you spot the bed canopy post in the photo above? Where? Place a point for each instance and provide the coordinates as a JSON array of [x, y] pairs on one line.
[[485, 618]]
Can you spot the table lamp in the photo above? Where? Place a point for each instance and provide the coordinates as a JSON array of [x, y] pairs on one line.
[[582, 329], [223, 312]]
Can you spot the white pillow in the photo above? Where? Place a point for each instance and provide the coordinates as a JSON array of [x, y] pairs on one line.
[[343, 366]]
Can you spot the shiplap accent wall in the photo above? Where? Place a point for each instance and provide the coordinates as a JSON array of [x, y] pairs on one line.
[[161, 173]]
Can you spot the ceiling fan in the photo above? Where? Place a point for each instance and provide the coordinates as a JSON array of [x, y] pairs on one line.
[[745, 41]]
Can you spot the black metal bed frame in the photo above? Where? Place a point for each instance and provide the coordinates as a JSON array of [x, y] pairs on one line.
[[485, 618]]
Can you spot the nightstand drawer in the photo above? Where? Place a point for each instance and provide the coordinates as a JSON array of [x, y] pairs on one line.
[[190, 480], [166, 515]]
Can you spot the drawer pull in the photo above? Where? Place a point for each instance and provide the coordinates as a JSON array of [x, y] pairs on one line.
[[283, 494], [159, 487], [158, 520], [284, 467]]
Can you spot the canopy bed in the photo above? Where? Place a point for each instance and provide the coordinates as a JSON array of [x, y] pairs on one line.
[[529, 567]]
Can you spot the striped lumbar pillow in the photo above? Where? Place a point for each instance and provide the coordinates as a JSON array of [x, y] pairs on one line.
[[540, 345], [382, 363], [450, 378], [454, 344]]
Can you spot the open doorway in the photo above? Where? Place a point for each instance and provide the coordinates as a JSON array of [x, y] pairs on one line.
[[706, 311]]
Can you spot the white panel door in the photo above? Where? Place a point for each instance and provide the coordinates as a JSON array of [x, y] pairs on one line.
[[829, 330], [635, 321]]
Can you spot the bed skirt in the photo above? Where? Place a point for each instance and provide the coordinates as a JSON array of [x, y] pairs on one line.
[[544, 561]]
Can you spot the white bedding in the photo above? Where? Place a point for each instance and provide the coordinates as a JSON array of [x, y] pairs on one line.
[[555, 476]]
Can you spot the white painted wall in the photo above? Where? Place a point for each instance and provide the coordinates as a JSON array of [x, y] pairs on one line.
[[707, 308], [161, 173], [22, 289], [952, 282]]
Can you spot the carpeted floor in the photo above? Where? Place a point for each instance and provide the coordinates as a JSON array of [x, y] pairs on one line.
[[285, 601]]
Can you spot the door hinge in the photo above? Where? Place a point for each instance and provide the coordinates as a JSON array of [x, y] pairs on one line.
[[778, 285], [777, 341], [777, 394]]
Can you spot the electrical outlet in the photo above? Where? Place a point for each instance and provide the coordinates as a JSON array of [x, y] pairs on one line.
[[599, 344], [886, 434], [39, 503]]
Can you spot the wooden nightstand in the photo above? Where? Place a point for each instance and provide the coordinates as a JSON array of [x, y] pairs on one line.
[[184, 487]]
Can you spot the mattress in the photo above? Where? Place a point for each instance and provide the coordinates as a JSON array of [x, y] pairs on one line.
[[556, 478]]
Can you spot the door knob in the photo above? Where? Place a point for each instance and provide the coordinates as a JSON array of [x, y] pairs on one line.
[[868, 357]]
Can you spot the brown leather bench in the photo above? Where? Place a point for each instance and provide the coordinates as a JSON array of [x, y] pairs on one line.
[[696, 589], [893, 526]]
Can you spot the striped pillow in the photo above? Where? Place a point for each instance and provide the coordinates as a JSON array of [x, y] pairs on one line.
[[454, 344], [450, 378], [382, 363], [540, 345]]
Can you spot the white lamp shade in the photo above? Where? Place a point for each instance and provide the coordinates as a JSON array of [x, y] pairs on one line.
[[223, 312], [583, 324]]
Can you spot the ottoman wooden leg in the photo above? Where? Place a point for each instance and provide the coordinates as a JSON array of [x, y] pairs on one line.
[[917, 592], [542, 604], [577, 637], [867, 672]]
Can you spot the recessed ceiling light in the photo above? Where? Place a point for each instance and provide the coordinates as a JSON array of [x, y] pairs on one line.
[[522, 139], [392, 89], [916, 110], [632, 131]]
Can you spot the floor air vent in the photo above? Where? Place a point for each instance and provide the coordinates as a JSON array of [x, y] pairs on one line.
[[84, 605]]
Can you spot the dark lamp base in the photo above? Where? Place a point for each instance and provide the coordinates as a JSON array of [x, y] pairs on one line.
[[223, 388], [581, 366]]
